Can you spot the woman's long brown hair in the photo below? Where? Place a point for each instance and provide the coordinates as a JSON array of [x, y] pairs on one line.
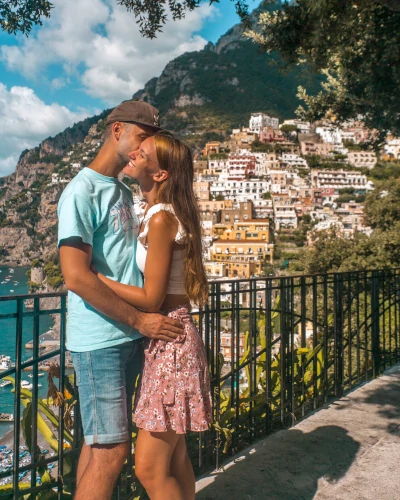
[[177, 190]]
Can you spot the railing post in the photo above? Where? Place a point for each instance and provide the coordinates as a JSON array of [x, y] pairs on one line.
[[375, 328], [17, 397], [338, 333]]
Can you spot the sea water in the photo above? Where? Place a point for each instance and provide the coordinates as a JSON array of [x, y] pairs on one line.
[[8, 336]]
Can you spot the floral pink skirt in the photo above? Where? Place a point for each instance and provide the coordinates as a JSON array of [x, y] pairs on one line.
[[175, 385]]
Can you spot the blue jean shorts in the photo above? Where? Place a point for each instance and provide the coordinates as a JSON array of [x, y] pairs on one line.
[[106, 380]]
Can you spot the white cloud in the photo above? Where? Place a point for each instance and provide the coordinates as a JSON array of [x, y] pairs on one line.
[[99, 42], [25, 120]]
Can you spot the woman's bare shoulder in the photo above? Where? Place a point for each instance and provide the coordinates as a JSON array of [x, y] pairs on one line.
[[163, 222]]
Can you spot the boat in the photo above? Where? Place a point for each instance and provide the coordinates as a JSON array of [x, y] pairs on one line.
[[6, 417], [4, 383], [5, 362], [26, 385], [12, 291]]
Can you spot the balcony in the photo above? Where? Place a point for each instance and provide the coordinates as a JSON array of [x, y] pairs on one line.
[[307, 340]]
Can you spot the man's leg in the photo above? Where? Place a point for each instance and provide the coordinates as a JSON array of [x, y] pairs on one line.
[[101, 378], [84, 459], [102, 471]]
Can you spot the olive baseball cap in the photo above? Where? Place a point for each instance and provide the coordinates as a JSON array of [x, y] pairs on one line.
[[139, 112]]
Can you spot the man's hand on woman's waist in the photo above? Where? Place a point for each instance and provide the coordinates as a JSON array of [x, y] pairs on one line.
[[156, 326]]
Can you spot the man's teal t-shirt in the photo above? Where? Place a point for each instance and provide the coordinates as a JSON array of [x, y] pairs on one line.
[[99, 210]]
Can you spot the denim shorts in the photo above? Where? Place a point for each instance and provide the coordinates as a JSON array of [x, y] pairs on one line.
[[106, 380]]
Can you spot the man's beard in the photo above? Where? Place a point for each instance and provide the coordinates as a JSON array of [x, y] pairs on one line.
[[123, 160]]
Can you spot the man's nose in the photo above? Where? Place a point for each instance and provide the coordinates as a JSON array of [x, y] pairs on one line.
[[132, 155]]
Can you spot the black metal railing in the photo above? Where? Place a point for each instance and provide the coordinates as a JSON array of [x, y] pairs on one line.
[[278, 348]]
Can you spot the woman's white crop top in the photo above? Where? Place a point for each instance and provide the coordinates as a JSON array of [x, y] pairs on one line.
[[176, 284]]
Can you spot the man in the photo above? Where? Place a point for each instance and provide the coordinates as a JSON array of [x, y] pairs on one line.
[[98, 225]]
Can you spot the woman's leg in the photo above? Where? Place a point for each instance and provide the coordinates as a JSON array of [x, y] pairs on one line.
[[182, 470], [153, 455]]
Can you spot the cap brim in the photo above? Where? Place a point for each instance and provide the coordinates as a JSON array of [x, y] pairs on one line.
[[153, 127]]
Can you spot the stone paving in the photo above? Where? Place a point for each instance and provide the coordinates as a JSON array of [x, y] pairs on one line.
[[349, 450]]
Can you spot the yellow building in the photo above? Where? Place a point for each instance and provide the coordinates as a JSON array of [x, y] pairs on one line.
[[241, 258], [254, 229]]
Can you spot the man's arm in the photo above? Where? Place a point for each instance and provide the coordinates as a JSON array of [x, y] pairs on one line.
[[75, 258]]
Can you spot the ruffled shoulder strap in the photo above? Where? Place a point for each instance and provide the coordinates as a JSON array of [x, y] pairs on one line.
[[140, 209], [180, 237]]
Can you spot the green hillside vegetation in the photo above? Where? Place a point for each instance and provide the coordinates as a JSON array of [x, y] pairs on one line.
[[232, 83]]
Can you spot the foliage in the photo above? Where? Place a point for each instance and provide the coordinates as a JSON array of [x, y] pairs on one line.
[[362, 67], [382, 208], [53, 272], [331, 252], [385, 170], [18, 16], [48, 423], [346, 198], [151, 15]]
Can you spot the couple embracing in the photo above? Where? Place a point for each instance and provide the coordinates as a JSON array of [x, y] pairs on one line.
[[131, 274]]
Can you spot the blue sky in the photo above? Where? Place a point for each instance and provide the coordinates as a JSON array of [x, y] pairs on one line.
[[76, 65]]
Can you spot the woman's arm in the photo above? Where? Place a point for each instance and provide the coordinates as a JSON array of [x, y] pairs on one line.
[[160, 239]]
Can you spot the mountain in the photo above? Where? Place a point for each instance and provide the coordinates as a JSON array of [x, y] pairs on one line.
[[201, 96], [216, 89]]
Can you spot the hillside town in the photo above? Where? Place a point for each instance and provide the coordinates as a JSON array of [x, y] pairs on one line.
[[267, 191]]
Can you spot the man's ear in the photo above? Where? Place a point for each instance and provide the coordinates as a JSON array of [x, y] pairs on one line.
[[161, 176], [117, 130]]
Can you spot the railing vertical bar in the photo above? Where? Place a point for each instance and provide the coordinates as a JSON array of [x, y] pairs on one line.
[[253, 354], [303, 312], [17, 397], [315, 340], [61, 408], [234, 371], [238, 356], [292, 388], [268, 342], [349, 330], [375, 326], [326, 326], [358, 325], [396, 314], [215, 370], [390, 318], [283, 349], [35, 389], [383, 316], [366, 342], [338, 334]]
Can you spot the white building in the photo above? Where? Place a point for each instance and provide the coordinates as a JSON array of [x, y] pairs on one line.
[[239, 190], [293, 160], [392, 147], [330, 135], [362, 159], [339, 179], [265, 162], [302, 127], [260, 120], [284, 216]]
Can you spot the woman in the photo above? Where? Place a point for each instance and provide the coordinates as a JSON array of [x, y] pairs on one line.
[[174, 395]]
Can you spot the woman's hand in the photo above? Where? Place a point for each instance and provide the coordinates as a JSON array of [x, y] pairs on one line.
[[94, 270]]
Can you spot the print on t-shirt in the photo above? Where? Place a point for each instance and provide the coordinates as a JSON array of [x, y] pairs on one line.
[[124, 217]]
